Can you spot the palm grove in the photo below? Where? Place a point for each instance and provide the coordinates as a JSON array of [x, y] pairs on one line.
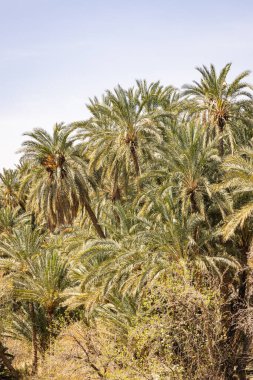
[[126, 239]]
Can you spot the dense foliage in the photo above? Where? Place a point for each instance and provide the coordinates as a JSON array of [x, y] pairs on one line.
[[126, 239]]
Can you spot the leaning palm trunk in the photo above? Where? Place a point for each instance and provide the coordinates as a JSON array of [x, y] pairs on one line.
[[94, 220]]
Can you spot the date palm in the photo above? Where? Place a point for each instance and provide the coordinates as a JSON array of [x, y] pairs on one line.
[[164, 100], [11, 218], [238, 170], [41, 286], [17, 251], [9, 189], [7, 370], [29, 324], [186, 166], [122, 132], [145, 251], [44, 282], [56, 179], [220, 102]]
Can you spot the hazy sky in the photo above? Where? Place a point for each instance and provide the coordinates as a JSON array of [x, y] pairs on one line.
[[55, 54]]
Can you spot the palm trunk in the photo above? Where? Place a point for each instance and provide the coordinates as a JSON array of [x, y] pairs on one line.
[[135, 158], [194, 209], [243, 303], [50, 314], [34, 340], [33, 221], [221, 125], [116, 195], [22, 205], [7, 362], [94, 220], [115, 190], [244, 359], [237, 338], [116, 198], [194, 205]]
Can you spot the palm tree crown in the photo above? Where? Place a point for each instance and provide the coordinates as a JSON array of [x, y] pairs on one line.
[[56, 177], [219, 100]]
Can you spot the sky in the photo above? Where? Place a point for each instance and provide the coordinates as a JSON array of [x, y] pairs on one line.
[[56, 54]]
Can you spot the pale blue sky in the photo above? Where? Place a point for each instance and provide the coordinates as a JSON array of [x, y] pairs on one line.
[[55, 54]]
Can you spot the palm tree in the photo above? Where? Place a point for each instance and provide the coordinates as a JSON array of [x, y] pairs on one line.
[[122, 130], [7, 371], [142, 252], [220, 102], [164, 101], [11, 218], [187, 165], [29, 323], [17, 250], [56, 180], [38, 277], [145, 168], [9, 189], [44, 282], [238, 170]]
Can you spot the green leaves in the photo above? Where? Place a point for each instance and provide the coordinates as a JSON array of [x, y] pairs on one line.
[[220, 103], [239, 179], [138, 223], [44, 281]]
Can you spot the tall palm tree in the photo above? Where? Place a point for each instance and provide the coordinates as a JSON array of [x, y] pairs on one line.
[[122, 129], [220, 102], [56, 179], [164, 100], [238, 170], [17, 251], [187, 165], [37, 276]]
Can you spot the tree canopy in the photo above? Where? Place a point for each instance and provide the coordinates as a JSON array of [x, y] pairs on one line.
[[126, 238]]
